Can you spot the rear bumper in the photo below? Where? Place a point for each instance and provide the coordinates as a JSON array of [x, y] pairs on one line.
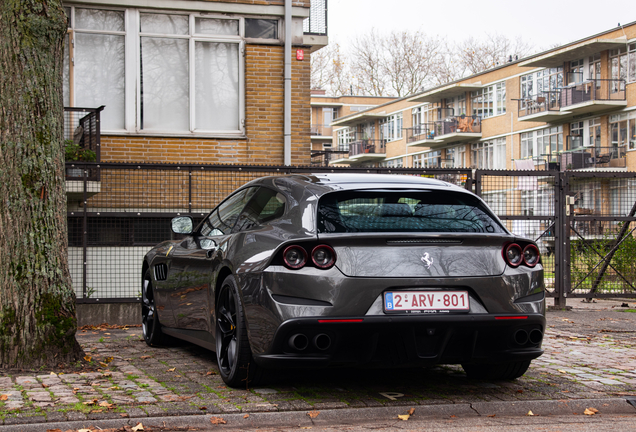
[[402, 341]]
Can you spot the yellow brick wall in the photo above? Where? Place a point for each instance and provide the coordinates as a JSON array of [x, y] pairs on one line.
[[264, 117]]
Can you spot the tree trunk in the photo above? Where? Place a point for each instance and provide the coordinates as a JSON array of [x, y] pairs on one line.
[[37, 303]]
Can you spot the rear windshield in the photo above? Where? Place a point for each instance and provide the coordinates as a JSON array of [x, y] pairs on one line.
[[407, 211]]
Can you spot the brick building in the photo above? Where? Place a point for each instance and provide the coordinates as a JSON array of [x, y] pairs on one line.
[[193, 81], [572, 107]]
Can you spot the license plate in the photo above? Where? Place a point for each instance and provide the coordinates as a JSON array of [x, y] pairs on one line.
[[410, 301]]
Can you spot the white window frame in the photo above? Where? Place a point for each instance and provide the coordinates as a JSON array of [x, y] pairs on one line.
[[391, 127], [489, 154], [132, 74], [490, 101]]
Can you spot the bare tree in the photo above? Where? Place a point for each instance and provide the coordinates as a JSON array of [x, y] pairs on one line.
[[367, 61], [329, 71], [478, 55], [37, 303]]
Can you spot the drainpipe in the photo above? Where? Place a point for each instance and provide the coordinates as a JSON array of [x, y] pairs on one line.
[[288, 86]]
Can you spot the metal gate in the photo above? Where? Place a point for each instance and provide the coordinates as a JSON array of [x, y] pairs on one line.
[[599, 208]]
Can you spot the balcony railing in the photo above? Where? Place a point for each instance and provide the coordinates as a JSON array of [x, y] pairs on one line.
[[425, 131], [543, 102], [593, 90], [321, 130], [589, 157], [366, 146], [323, 157], [458, 124], [82, 126], [316, 23]]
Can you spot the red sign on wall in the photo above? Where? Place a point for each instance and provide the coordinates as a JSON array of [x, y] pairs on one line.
[[300, 54]]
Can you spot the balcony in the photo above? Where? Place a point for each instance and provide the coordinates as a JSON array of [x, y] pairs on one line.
[[456, 129], [544, 107], [324, 157], [589, 158], [321, 132], [593, 95], [82, 128], [366, 150], [421, 136], [315, 25]]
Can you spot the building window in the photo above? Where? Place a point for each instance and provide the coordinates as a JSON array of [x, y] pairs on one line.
[[489, 101], [261, 28], [490, 154], [576, 135], [527, 145], [393, 163], [170, 73], [391, 127], [623, 65], [345, 137], [620, 127], [544, 83], [594, 132], [417, 161], [550, 140], [456, 156]]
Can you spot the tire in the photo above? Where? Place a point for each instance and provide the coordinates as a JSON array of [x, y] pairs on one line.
[[502, 371], [149, 318], [233, 352]]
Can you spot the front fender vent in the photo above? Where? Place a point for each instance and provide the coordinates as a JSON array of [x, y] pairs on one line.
[[161, 272]]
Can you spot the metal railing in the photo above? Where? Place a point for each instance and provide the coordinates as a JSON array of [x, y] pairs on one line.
[[424, 131], [321, 130], [316, 23], [82, 126], [367, 146], [458, 124], [535, 104], [593, 90]]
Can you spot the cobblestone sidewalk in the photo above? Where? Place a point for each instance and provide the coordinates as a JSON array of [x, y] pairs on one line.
[[580, 362]]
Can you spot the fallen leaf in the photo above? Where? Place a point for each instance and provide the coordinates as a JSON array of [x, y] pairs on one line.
[[4, 397], [88, 358], [313, 414], [590, 411], [171, 370], [137, 428], [561, 370], [246, 416], [96, 411], [84, 430], [492, 415], [106, 404], [530, 413], [145, 357], [53, 373], [403, 417], [203, 408], [217, 420], [54, 430], [102, 364], [519, 391], [123, 415], [211, 373], [411, 411]]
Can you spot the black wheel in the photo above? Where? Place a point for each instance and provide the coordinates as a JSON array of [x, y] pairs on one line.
[[233, 352], [501, 371], [149, 318]]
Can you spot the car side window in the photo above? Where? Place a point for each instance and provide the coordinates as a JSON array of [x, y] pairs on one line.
[[222, 219], [266, 205]]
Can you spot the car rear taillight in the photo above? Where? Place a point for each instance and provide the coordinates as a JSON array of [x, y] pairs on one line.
[[323, 256], [514, 255], [294, 257], [531, 255]]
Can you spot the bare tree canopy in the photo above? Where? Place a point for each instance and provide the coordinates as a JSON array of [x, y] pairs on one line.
[[405, 62], [37, 303]]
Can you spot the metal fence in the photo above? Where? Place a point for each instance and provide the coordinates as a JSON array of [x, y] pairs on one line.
[[113, 222], [583, 222]]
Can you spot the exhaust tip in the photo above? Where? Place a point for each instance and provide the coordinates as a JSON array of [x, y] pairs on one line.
[[298, 341], [322, 341], [536, 336], [521, 337]]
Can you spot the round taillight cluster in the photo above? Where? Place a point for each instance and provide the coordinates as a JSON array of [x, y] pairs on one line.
[[514, 255], [322, 256]]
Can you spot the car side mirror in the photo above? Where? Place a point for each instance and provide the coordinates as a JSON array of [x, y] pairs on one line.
[[182, 225]]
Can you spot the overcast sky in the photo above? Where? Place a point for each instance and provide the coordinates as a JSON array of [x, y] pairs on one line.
[[542, 23]]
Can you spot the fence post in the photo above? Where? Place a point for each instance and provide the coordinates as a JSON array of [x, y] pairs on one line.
[[561, 241], [84, 232]]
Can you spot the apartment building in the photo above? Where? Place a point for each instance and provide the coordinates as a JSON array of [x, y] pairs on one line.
[[572, 107], [324, 110], [193, 81]]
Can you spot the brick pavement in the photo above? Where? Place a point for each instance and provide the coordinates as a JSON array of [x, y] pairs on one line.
[[589, 354]]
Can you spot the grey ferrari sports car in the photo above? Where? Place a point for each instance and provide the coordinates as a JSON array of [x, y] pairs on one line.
[[310, 271]]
